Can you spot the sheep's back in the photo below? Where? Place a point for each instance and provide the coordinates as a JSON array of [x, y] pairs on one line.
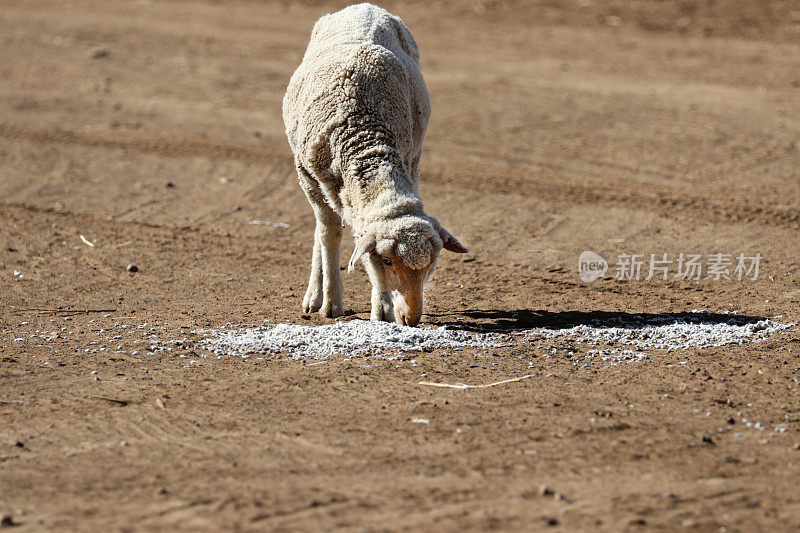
[[363, 23], [360, 71]]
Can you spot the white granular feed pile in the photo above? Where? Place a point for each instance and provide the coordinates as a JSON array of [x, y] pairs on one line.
[[677, 334], [355, 338]]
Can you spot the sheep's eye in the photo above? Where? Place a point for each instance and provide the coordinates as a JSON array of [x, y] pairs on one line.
[[387, 261]]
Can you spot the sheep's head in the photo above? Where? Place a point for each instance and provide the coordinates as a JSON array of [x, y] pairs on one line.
[[403, 254]]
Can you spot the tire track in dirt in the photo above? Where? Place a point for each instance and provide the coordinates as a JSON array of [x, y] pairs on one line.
[[163, 146], [716, 206], [141, 428], [12, 210], [548, 180]]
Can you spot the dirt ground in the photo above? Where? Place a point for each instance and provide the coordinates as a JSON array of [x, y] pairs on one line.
[[153, 129]]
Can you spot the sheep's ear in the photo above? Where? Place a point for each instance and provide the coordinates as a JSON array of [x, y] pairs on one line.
[[451, 243], [365, 245]]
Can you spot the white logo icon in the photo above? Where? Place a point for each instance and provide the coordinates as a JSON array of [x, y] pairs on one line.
[[591, 266]]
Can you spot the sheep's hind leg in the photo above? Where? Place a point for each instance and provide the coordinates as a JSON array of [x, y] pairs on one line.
[[324, 292], [312, 301], [330, 240]]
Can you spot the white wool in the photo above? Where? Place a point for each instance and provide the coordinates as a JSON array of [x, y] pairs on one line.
[[415, 238], [355, 112]]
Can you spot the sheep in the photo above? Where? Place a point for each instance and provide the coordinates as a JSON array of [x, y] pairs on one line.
[[356, 111]]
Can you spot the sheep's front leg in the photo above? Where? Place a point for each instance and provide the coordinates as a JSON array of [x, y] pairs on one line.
[[324, 293], [382, 309]]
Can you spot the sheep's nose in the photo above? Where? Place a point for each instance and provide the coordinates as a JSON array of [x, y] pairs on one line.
[[410, 321]]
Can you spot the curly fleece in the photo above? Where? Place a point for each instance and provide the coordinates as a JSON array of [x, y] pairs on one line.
[[356, 111]]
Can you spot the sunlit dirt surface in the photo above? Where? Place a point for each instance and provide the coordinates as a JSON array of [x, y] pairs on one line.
[[153, 129]]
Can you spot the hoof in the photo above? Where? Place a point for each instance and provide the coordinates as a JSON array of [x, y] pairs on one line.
[[312, 302], [329, 310]]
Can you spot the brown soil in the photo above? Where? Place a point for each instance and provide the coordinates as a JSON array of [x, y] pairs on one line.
[[557, 127]]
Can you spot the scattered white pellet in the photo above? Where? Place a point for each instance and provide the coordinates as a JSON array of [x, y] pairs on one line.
[[699, 330], [355, 338]]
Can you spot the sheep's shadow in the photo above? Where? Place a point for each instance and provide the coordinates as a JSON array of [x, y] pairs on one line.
[[506, 321]]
